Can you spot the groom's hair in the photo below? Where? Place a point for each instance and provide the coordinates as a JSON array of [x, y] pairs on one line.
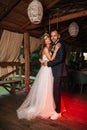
[[54, 29]]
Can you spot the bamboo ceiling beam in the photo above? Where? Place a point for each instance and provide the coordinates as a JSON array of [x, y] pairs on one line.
[[8, 9]]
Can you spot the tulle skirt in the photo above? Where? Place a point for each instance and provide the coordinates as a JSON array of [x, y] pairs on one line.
[[39, 102]]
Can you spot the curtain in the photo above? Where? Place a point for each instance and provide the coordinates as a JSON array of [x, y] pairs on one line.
[[10, 44], [34, 43]]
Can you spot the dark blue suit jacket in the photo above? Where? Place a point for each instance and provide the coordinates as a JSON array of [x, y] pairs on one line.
[[58, 63]]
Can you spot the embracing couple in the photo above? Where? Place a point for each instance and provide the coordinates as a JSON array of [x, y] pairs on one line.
[[44, 98]]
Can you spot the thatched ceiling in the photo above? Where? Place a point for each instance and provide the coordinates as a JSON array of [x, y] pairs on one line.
[[13, 16]]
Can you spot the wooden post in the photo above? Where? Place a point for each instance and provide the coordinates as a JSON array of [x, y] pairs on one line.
[[27, 65], [20, 76]]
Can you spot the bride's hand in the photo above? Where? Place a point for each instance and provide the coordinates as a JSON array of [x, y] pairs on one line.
[[57, 46], [41, 61], [44, 63]]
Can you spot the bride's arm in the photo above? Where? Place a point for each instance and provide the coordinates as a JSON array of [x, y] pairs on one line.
[[47, 53]]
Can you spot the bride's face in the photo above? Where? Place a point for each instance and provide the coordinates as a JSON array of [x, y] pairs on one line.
[[47, 40]]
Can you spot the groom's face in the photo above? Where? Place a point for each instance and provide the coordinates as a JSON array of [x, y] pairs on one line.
[[54, 36]]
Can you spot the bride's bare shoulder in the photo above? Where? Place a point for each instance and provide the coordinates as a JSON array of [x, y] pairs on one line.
[[45, 49]]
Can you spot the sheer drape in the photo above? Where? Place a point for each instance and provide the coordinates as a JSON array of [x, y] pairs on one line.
[[34, 43], [10, 44]]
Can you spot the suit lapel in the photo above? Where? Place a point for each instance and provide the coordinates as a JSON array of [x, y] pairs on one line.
[[53, 46]]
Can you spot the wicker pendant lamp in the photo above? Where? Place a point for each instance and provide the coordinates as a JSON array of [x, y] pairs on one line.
[[73, 29], [35, 11]]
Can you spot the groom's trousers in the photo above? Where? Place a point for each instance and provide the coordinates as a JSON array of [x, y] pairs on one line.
[[57, 93]]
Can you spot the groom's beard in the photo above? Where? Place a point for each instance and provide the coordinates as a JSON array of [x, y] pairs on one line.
[[53, 46]]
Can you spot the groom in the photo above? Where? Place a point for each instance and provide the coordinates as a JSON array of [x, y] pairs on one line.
[[57, 69]]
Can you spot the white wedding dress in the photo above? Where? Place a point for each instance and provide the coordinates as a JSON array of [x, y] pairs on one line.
[[39, 102]]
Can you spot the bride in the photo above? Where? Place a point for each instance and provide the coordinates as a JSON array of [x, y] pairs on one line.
[[39, 102]]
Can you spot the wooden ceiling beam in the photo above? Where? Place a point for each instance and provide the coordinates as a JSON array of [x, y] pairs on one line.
[[48, 7], [8, 9], [68, 17], [30, 26], [2, 26], [52, 4], [63, 30], [61, 19]]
